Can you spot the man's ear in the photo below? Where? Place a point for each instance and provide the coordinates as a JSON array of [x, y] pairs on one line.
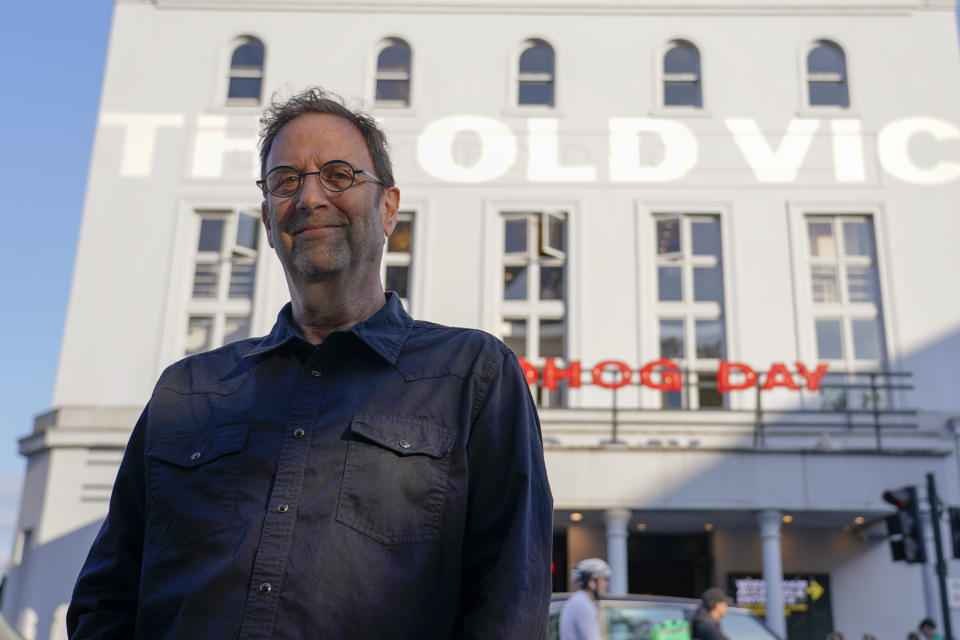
[[266, 222], [389, 203]]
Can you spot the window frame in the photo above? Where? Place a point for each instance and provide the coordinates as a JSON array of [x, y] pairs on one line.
[[400, 259], [516, 77], [228, 73], [658, 78], [805, 109], [665, 77], [394, 106]]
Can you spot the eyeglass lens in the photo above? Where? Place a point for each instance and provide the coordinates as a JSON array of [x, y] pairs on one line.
[[283, 182]]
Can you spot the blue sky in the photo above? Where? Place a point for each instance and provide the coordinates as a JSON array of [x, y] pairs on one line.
[[54, 53]]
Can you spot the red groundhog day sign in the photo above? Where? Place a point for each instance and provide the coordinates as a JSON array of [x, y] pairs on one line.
[[671, 379]]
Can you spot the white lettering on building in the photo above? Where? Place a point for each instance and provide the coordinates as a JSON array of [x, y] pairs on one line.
[[498, 149], [543, 146], [212, 143], [679, 156], [847, 151], [893, 142], [769, 165], [140, 138]]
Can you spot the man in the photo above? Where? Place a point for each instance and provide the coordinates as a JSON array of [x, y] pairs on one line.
[[928, 630], [707, 617], [353, 474], [579, 617]]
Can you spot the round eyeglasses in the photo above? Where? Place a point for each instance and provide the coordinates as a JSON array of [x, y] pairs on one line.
[[336, 176]]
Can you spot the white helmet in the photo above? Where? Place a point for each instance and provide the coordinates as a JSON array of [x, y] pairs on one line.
[[590, 568]]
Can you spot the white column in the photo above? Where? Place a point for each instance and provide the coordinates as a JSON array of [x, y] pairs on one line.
[[769, 521], [617, 521], [931, 590]]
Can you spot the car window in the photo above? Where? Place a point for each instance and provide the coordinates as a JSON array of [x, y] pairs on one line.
[[653, 622], [743, 625]]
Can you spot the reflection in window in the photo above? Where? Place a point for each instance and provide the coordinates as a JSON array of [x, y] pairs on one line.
[[827, 75], [246, 71], [397, 264], [681, 75], [535, 84], [671, 338], [670, 283], [393, 74], [514, 334], [199, 334]]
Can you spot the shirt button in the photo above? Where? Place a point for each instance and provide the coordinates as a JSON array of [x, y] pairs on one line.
[[196, 456], [299, 433], [265, 588], [315, 373], [282, 508], [404, 444]]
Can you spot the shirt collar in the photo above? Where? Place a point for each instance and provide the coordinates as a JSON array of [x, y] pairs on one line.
[[385, 331]]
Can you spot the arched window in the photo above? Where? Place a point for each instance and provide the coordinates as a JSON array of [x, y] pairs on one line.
[[393, 74], [681, 75], [536, 73], [246, 71], [827, 76]]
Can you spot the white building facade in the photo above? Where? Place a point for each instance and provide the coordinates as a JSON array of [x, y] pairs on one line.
[[633, 196]]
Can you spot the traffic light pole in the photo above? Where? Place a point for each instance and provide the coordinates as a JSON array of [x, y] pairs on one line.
[[941, 564]]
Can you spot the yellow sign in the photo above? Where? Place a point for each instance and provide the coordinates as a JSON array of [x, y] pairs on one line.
[[815, 590]]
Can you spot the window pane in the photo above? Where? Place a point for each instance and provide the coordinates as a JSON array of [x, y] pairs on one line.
[[705, 235], [668, 235], [241, 279], [514, 333], [199, 332], [551, 338], [236, 328], [558, 233], [396, 57], [709, 338], [536, 93], [248, 55], [516, 236], [829, 342], [829, 94], [537, 59], [834, 398], [244, 88], [866, 339], [857, 238], [681, 94], [682, 58], [399, 241], [205, 279], [398, 280], [672, 399], [707, 391], [826, 58], [211, 233], [821, 239], [708, 284], [551, 283], [669, 283], [671, 339], [247, 227], [824, 283], [515, 283], [862, 284], [393, 90]]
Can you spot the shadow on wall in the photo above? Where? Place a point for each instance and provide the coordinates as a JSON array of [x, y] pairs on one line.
[[36, 596]]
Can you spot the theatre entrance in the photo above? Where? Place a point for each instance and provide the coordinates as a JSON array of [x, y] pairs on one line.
[[669, 564]]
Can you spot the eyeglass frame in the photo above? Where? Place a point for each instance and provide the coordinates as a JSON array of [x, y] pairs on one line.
[[302, 175]]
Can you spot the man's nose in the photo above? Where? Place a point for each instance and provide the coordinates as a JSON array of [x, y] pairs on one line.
[[312, 194]]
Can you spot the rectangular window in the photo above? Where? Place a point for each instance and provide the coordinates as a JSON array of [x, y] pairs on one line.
[[532, 272], [397, 264], [690, 305], [223, 279], [845, 297]]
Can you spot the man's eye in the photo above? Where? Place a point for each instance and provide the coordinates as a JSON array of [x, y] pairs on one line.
[[287, 180]]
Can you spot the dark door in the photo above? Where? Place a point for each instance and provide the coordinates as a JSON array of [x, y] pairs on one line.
[[669, 564]]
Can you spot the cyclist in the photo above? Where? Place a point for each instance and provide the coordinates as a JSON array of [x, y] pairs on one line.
[[579, 617]]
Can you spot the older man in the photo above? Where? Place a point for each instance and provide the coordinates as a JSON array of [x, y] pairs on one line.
[[353, 474]]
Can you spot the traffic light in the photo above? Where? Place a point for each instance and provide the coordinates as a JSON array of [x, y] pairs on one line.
[[955, 531], [906, 533]]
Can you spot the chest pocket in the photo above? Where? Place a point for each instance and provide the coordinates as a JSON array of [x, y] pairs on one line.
[[395, 478], [193, 483]]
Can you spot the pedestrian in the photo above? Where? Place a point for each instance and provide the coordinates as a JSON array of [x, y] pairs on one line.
[[579, 618], [928, 630], [834, 635], [353, 474], [706, 619]]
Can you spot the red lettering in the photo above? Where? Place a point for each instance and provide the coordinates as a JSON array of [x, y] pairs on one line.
[[779, 376], [551, 374], [672, 378], [625, 374], [529, 371], [813, 379], [723, 376]]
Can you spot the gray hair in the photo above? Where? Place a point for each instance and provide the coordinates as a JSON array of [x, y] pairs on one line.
[[316, 100]]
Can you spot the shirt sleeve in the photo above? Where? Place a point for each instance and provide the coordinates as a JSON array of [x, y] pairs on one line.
[[506, 582], [105, 597]]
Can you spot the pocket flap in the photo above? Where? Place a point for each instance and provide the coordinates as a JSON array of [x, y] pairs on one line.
[[194, 449], [405, 436]]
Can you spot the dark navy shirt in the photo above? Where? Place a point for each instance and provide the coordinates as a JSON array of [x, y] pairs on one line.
[[387, 483]]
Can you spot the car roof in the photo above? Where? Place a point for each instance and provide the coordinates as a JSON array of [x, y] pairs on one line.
[[609, 600]]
